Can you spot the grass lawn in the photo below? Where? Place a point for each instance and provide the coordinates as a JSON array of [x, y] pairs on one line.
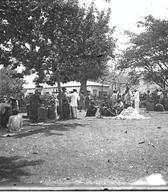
[[86, 151]]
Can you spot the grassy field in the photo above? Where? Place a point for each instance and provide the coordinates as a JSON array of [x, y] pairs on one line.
[[86, 151]]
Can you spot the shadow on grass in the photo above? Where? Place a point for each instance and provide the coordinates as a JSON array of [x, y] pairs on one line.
[[11, 168], [50, 129]]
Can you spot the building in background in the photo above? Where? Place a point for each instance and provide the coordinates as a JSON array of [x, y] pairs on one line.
[[95, 89]]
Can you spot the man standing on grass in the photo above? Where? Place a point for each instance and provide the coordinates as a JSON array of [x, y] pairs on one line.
[[136, 100], [74, 103]]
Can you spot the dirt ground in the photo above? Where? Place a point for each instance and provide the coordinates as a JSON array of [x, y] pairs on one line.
[[86, 151]]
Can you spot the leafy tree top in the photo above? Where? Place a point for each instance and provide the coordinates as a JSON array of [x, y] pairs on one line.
[[148, 53]]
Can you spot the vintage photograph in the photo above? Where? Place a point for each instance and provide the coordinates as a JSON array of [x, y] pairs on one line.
[[83, 94]]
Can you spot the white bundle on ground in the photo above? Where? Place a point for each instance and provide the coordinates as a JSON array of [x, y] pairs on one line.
[[130, 113]]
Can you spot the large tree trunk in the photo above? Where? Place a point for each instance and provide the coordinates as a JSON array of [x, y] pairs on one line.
[[83, 87]]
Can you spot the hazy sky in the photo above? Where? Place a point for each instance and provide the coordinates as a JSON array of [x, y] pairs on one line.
[[125, 13]]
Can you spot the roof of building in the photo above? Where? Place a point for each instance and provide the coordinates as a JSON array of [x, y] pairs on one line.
[[68, 84]]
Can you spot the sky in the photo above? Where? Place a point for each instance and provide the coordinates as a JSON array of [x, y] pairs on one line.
[[125, 14]]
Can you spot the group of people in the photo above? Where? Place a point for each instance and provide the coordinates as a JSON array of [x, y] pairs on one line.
[[115, 104], [69, 103], [157, 99], [73, 101]]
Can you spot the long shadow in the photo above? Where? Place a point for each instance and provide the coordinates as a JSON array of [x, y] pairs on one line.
[[162, 112], [50, 129], [11, 168]]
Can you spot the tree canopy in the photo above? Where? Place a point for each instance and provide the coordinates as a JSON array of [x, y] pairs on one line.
[[10, 85], [56, 40], [59, 41], [147, 57]]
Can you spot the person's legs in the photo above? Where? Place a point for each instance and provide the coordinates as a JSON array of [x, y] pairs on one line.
[[74, 112], [137, 106], [71, 111], [34, 115], [66, 111]]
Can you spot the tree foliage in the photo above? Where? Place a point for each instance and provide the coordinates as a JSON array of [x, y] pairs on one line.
[[59, 41], [55, 39], [147, 57], [95, 44], [10, 84]]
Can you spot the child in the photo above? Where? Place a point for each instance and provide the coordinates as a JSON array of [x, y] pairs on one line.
[[15, 121]]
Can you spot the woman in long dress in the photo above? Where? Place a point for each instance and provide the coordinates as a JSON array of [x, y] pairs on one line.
[[128, 97]]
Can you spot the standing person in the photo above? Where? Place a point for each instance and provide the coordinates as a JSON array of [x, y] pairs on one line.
[[87, 100], [15, 121], [5, 111], [56, 105], [35, 103], [74, 103], [160, 96], [136, 100], [65, 104], [155, 96], [128, 97], [14, 103], [114, 97]]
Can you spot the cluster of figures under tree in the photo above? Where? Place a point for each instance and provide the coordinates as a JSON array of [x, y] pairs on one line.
[[40, 107]]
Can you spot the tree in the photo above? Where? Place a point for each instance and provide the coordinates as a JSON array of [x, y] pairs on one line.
[[58, 41], [16, 27], [19, 37], [10, 85], [25, 41], [94, 45], [147, 57]]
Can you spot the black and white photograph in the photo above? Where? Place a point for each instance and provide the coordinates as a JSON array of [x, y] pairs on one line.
[[83, 94]]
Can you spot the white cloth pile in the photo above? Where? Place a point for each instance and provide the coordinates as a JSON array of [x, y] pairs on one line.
[[130, 113]]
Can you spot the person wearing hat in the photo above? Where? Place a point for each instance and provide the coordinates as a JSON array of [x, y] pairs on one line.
[[35, 103], [74, 97]]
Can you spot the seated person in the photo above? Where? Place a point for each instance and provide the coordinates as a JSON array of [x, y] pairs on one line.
[[106, 110], [159, 107], [119, 106], [91, 111], [15, 121]]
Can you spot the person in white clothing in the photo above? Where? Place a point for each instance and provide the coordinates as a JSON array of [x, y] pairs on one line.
[[74, 103], [56, 101], [15, 122], [136, 100]]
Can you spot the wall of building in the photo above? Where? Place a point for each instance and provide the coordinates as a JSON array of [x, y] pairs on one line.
[[94, 90]]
